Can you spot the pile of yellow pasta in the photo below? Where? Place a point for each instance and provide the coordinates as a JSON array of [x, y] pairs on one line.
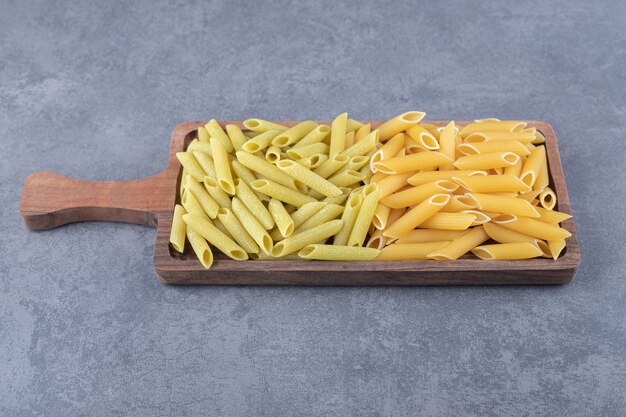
[[404, 191]]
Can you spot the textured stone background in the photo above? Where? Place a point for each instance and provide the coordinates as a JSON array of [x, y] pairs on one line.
[[93, 89]]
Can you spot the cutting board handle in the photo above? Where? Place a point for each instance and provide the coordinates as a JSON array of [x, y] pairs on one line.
[[50, 200]]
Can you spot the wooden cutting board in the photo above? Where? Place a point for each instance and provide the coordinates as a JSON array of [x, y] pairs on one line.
[[50, 200]]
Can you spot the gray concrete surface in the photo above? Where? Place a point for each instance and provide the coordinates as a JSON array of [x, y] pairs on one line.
[[92, 90]]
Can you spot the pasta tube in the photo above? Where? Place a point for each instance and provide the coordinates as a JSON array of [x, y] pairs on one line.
[[214, 190], [492, 125], [551, 216], [208, 204], [490, 147], [206, 162], [363, 146], [338, 253], [556, 247], [533, 165], [203, 135], [298, 241], [399, 123], [346, 178], [498, 136], [447, 145], [365, 215], [492, 183], [252, 203], [409, 163], [507, 251], [266, 169], [179, 229], [349, 216], [423, 137], [237, 230], [260, 142], [308, 150], [260, 125], [216, 131], [236, 136], [362, 132], [461, 245], [429, 235], [213, 235], [283, 220], [272, 154], [381, 215], [409, 251], [316, 135], [200, 247], [309, 178], [389, 149], [332, 165], [532, 227], [338, 134], [449, 221], [416, 195], [505, 205], [190, 164], [294, 134], [252, 225], [425, 177], [280, 192], [327, 213], [547, 198], [486, 161], [222, 166]]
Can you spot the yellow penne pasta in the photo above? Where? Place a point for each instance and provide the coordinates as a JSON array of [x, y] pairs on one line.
[[215, 191], [316, 135], [532, 227], [556, 247], [551, 216], [409, 251], [260, 142], [425, 177], [507, 251], [376, 240], [236, 136], [498, 136], [253, 204], [533, 165], [389, 149], [216, 131], [392, 183], [429, 235], [310, 178], [447, 145], [200, 147], [503, 235], [280, 192], [332, 165], [547, 198], [381, 215], [480, 217], [337, 253], [353, 125], [417, 215], [461, 245], [200, 247], [338, 134], [317, 160], [222, 166], [492, 183], [529, 196], [399, 123], [412, 162], [459, 203], [294, 134], [260, 125], [327, 213], [267, 170], [203, 135], [308, 150], [179, 229], [490, 147], [363, 146], [206, 162], [486, 161], [350, 213], [216, 237], [515, 169], [362, 132], [252, 226], [543, 177], [489, 125], [346, 178], [208, 203], [237, 230], [191, 205], [349, 139], [283, 220], [505, 205], [306, 212], [272, 154], [423, 137], [298, 241], [190, 164], [448, 221], [539, 138], [415, 195], [364, 216]]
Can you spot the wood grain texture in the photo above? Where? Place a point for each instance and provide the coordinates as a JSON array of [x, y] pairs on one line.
[[50, 200]]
